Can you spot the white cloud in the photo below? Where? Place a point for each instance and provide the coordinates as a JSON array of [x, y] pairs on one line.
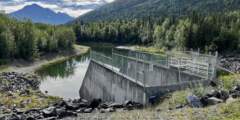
[[74, 8]]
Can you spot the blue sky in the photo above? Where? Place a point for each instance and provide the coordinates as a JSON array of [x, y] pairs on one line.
[[72, 7]]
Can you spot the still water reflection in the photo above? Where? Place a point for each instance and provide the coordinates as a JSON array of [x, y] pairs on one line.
[[64, 79]]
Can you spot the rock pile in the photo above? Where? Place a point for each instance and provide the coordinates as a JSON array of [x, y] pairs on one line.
[[16, 82], [231, 63], [12, 82], [70, 108], [213, 97]]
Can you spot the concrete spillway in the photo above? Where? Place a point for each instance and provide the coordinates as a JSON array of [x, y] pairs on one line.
[[102, 82], [126, 83]]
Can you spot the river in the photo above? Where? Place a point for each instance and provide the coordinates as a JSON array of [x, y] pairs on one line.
[[64, 79]]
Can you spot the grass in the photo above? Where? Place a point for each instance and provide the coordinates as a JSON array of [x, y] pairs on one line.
[[58, 60], [3, 68], [224, 111], [35, 99], [230, 111], [221, 111], [229, 80], [78, 49], [96, 44], [149, 49], [173, 100], [45, 60]]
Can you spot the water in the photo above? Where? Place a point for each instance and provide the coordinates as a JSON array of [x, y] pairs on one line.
[[64, 79]]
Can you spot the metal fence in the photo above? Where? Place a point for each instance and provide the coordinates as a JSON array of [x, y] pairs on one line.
[[128, 63], [144, 56]]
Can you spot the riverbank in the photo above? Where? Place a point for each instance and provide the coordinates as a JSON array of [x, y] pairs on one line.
[[21, 92], [22, 66], [148, 49], [21, 99]]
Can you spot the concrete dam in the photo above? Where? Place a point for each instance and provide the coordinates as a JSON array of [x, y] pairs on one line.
[[136, 76]]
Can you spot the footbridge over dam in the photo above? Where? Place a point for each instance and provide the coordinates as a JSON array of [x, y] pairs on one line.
[[137, 76]]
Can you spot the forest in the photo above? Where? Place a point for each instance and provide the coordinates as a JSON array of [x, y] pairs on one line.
[[218, 32], [25, 40], [131, 9]]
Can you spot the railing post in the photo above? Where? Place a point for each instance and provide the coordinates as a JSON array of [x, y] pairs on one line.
[[90, 54], [144, 89], [112, 59]]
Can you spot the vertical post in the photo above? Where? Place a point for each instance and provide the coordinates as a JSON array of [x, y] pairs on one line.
[[122, 63], [208, 71], [167, 61], [90, 54], [179, 74], [215, 64], [144, 89], [112, 59], [135, 71], [210, 53], [216, 54]]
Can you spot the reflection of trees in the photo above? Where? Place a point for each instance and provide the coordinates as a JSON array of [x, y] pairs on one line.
[[67, 68], [83, 57], [104, 50], [63, 69]]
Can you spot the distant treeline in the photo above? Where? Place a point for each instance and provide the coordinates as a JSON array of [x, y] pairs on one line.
[[25, 40], [220, 32]]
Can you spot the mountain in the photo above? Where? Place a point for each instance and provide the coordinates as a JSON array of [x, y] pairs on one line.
[[39, 14], [128, 9]]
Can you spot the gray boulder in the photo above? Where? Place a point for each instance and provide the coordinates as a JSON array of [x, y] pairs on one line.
[[194, 101], [49, 112], [213, 101]]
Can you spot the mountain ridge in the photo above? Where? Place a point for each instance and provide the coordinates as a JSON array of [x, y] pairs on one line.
[[38, 14]]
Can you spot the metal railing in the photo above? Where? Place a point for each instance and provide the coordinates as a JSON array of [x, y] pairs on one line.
[[190, 66], [126, 62], [144, 56]]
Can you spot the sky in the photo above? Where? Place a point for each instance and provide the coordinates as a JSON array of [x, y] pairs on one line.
[[73, 8]]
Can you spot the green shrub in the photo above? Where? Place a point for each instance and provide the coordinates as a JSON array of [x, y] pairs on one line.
[[228, 81]]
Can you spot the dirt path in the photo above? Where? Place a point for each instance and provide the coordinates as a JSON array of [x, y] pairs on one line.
[[22, 66]]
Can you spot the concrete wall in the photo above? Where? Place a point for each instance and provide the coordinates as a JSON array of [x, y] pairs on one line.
[[163, 76], [101, 82], [154, 74], [113, 86], [161, 90]]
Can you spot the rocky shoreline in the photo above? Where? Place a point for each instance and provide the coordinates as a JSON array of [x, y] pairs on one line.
[[17, 91], [231, 63], [16, 82], [214, 97], [17, 86], [71, 108]]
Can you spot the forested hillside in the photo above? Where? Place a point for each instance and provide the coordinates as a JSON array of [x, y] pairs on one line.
[[208, 33], [128, 9], [26, 40]]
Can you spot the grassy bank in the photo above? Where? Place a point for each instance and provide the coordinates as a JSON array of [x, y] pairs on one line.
[[21, 91], [34, 99], [28, 67], [149, 49], [166, 108], [223, 111], [79, 50]]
